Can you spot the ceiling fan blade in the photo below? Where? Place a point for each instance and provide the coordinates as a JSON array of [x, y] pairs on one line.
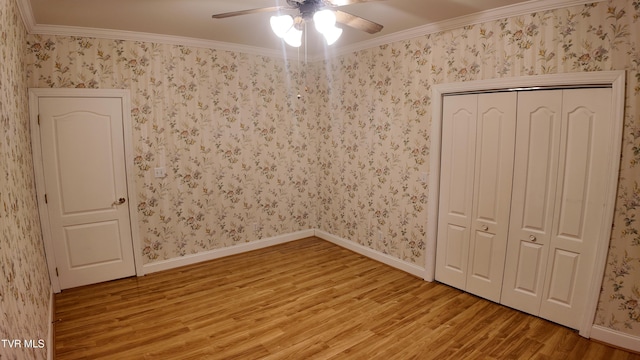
[[357, 22], [250, 11], [347, 2]]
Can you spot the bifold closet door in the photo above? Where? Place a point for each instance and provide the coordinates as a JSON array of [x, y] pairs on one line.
[[476, 172], [495, 137], [586, 148], [534, 183], [459, 115], [560, 183]]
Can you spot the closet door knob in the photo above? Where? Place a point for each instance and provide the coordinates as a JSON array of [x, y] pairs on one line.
[[532, 238], [485, 228]]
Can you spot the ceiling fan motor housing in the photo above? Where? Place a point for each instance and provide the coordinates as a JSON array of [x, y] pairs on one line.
[[307, 7]]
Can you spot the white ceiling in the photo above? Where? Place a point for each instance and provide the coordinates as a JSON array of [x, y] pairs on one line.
[[189, 21]]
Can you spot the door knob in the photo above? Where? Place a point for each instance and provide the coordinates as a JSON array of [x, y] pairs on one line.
[[484, 228], [120, 201], [532, 238]]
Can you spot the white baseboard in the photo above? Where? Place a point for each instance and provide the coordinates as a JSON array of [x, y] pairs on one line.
[[372, 254], [51, 331], [281, 239], [615, 338], [219, 253]]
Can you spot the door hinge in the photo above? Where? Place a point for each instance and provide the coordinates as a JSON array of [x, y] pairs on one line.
[[38, 119], [57, 272], [46, 201]]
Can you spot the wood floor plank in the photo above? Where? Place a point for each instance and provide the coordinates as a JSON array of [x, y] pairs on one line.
[[307, 299]]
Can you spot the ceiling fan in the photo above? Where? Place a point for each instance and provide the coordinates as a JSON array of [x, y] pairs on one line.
[[308, 8]]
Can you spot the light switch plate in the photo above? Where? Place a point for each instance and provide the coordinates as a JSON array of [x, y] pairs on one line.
[[159, 172]]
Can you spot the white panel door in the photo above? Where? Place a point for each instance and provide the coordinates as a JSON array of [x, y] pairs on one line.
[[456, 188], [585, 152], [85, 181], [534, 183], [496, 127]]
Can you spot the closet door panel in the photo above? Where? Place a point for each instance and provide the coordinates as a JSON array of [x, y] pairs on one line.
[[564, 274], [575, 164], [585, 153], [495, 141], [456, 188], [532, 203], [482, 260], [456, 248], [530, 256]]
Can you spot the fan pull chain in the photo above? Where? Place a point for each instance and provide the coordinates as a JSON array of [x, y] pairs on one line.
[[299, 96], [306, 44]]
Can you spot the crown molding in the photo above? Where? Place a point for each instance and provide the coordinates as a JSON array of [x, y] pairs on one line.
[[154, 38], [26, 12], [525, 8]]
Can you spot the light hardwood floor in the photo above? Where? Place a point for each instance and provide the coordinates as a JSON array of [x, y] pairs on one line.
[[307, 299]]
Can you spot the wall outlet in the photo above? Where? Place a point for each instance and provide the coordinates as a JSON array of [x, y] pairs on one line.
[[423, 177], [255, 227], [159, 172], [379, 235]]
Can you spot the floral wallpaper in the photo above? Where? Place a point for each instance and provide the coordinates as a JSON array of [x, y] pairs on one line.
[[375, 119], [246, 159], [228, 127], [24, 281]]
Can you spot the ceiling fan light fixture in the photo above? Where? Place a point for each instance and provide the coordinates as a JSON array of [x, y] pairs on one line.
[[281, 25], [324, 20], [321, 12]]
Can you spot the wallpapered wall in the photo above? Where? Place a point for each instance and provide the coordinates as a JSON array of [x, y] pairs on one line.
[[24, 280], [228, 127], [375, 123], [346, 158]]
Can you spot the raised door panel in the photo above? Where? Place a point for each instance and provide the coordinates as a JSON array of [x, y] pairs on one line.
[[529, 266], [495, 137], [456, 188], [585, 153], [532, 202], [95, 190]]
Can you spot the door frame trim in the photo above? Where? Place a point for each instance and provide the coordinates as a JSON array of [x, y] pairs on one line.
[[616, 79], [124, 95]]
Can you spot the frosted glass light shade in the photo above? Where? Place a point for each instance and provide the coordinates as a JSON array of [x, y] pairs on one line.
[[324, 20], [293, 37], [332, 35], [281, 24]]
